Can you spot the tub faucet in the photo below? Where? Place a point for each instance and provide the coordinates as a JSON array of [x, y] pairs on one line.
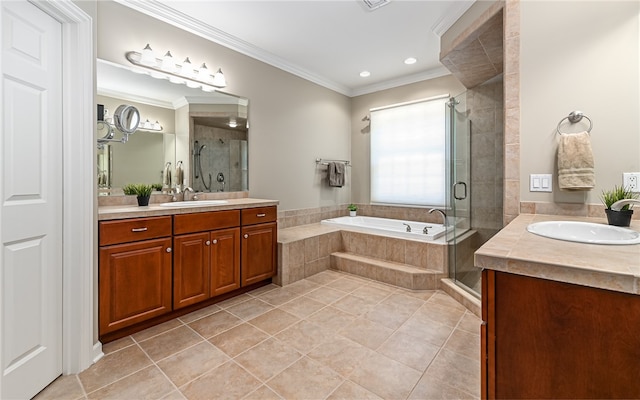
[[408, 227], [425, 230], [444, 215], [617, 206]]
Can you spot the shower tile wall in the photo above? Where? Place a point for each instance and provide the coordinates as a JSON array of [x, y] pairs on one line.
[[487, 159], [221, 155]]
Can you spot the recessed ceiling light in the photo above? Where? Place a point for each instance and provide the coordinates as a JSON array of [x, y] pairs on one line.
[[410, 61], [365, 74]]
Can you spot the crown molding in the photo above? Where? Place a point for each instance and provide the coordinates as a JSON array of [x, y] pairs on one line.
[[455, 11], [133, 97], [433, 73], [167, 14]]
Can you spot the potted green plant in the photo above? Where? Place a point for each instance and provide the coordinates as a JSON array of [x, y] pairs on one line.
[[622, 217], [142, 191], [157, 187], [352, 209]]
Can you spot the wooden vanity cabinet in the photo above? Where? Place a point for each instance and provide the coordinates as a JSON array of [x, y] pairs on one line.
[[545, 339], [134, 281], [259, 244], [206, 260]]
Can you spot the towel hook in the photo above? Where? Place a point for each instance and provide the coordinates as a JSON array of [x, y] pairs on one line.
[[574, 117]]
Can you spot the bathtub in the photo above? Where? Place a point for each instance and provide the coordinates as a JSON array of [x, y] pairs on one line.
[[389, 227]]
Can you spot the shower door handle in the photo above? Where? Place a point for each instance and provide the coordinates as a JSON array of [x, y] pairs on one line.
[[455, 193]]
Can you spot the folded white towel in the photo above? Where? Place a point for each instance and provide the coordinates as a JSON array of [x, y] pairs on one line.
[[575, 162]]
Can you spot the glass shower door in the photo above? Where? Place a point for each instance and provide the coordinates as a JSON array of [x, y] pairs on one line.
[[461, 269]]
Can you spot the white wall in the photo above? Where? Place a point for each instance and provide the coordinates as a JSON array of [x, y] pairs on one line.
[[292, 121], [580, 56]]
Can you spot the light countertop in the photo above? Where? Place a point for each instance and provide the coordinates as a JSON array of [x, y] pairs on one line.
[[153, 210], [515, 250]]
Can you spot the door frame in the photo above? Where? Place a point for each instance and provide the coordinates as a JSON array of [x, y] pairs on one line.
[[80, 345]]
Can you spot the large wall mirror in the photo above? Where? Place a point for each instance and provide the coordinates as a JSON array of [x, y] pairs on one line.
[[206, 134]]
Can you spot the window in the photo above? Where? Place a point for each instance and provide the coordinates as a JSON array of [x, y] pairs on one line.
[[408, 153]]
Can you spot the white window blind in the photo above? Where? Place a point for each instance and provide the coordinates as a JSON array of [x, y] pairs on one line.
[[408, 146]]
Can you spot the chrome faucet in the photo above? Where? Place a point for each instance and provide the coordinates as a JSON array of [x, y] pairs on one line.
[[184, 193], [425, 230], [617, 206], [408, 227], [444, 215]]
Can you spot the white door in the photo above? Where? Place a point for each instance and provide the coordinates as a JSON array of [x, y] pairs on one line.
[[31, 200]]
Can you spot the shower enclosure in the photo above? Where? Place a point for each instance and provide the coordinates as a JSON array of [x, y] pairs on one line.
[[475, 177]]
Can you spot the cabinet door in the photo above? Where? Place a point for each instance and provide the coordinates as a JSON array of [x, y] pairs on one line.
[[190, 269], [134, 283], [258, 252], [225, 261]]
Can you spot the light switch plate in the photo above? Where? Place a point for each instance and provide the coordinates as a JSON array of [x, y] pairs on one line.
[[540, 183]]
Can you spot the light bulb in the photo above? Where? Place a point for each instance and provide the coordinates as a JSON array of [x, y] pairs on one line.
[[167, 62], [148, 58], [187, 68], [218, 79], [157, 126], [203, 74]]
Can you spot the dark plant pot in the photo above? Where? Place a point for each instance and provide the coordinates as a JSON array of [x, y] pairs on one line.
[[143, 200], [619, 218]]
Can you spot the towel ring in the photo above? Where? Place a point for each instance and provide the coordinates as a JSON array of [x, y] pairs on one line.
[[574, 117]]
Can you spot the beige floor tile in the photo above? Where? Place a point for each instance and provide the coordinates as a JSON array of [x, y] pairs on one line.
[[238, 339], [192, 362], [148, 383], [340, 354], [388, 315], [156, 330], [203, 312], [351, 391], [66, 387], [234, 300], [113, 367], [404, 301], [431, 388], [445, 315], [354, 305], [228, 381], [305, 379], [302, 307], [278, 296], [466, 371], [464, 343], [249, 309], [263, 289], [443, 299], [303, 286], [423, 328], [263, 393], [406, 349], [175, 395], [116, 345], [332, 318], [274, 321], [324, 277], [470, 323], [325, 295], [268, 358], [346, 284], [305, 336], [371, 294], [367, 333], [418, 294], [385, 377], [170, 342], [214, 324]]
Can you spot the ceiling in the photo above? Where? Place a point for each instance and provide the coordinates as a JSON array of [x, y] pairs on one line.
[[326, 42]]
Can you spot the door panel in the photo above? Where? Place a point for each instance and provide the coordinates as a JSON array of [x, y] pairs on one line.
[[31, 193], [225, 261], [190, 269]]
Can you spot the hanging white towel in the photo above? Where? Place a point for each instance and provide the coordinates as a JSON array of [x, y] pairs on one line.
[[575, 162]]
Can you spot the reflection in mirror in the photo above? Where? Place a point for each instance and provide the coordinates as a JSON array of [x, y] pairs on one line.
[[217, 120]]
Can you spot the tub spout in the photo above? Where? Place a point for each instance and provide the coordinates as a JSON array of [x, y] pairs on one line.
[[444, 215]]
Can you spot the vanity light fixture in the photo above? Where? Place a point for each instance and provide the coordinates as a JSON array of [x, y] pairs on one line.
[[232, 123], [150, 126], [365, 74], [410, 60], [185, 73]]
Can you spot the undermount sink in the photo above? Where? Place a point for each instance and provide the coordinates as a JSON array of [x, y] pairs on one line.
[[194, 203], [585, 232]]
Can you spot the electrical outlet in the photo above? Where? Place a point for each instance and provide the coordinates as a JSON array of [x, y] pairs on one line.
[[631, 181]]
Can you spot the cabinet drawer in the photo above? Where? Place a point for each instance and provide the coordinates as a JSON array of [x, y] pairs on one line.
[[206, 221], [132, 230], [252, 216]]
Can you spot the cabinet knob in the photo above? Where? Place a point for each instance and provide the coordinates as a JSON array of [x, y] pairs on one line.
[[215, 241], [246, 236], [168, 249], [207, 242]]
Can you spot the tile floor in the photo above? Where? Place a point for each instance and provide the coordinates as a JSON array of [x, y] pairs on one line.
[[330, 336]]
